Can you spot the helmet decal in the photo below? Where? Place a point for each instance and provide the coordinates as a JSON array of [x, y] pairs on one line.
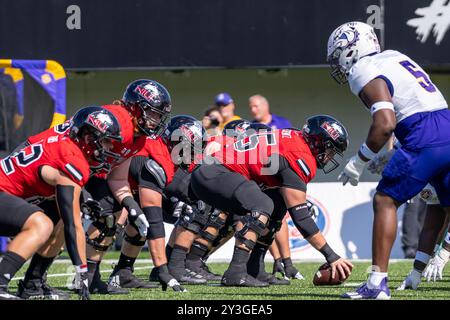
[[332, 130], [346, 38], [100, 121], [149, 92]]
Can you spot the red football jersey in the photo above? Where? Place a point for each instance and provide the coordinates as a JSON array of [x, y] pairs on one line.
[[251, 156], [213, 144], [157, 150], [59, 129], [130, 144], [19, 174]]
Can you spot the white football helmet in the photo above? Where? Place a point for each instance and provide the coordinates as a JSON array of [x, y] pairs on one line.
[[347, 44]]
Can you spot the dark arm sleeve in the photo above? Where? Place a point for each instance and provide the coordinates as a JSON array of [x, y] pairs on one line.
[[288, 177]]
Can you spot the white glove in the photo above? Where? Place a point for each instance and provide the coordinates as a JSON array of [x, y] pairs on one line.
[[411, 281], [436, 265], [377, 164], [181, 207], [139, 221], [135, 215], [352, 171], [313, 210]]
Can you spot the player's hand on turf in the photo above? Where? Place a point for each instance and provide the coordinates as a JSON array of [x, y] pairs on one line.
[[167, 280], [181, 208], [436, 266], [343, 267], [377, 164], [278, 267], [82, 285], [352, 171], [293, 273], [411, 281]]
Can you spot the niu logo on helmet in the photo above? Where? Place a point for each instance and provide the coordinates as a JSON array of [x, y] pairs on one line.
[[334, 134], [150, 93], [99, 121]]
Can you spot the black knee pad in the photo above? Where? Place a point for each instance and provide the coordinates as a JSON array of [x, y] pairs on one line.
[[225, 231], [215, 221], [273, 227], [134, 240], [155, 220], [107, 228], [303, 221], [196, 221], [251, 222]]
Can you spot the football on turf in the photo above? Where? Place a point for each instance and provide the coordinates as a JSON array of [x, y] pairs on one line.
[[323, 277]]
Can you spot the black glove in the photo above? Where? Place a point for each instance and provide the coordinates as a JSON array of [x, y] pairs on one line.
[[278, 267], [82, 285], [167, 280], [291, 271], [136, 215], [91, 208]]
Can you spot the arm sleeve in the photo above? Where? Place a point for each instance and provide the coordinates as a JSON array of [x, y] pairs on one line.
[[65, 201], [288, 177]]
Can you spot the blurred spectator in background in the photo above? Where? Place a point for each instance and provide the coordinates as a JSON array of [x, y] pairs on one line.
[[212, 121], [226, 105], [280, 249], [260, 111]]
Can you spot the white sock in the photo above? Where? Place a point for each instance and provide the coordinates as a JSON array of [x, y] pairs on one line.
[[375, 279]]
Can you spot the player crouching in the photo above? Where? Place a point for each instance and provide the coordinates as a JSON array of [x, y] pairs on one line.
[[58, 167]]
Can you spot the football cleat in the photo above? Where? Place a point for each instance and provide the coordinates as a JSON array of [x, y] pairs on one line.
[[38, 289], [182, 276], [98, 286], [202, 269], [272, 279], [411, 281], [5, 295], [363, 292], [231, 279], [125, 278]]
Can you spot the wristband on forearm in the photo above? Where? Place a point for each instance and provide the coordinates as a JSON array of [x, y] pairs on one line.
[[128, 202], [329, 254]]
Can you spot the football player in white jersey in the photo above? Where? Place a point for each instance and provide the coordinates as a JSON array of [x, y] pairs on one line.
[[402, 100]]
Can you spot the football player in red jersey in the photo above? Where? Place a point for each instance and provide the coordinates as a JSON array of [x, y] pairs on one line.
[[284, 161], [58, 166], [150, 172], [143, 111], [220, 226]]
